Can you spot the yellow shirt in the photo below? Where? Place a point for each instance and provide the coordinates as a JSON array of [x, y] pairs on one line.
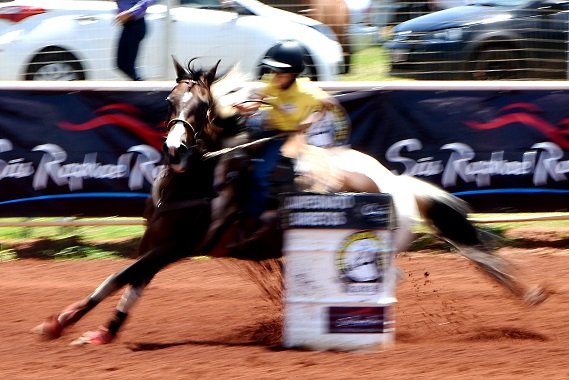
[[293, 105]]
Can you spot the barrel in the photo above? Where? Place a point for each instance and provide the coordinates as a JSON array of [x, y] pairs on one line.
[[339, 275]]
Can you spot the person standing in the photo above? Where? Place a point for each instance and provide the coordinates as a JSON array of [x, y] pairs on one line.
[[131, 14]]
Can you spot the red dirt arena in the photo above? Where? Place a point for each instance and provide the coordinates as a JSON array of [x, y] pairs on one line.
[[208, 319]]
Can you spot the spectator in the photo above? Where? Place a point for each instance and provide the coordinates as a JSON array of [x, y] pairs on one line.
[[131, 16]]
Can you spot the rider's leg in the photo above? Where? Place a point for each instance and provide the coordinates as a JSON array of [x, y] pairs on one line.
[[262, 169]]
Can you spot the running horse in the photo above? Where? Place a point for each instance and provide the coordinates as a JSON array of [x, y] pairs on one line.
[[195, 203]]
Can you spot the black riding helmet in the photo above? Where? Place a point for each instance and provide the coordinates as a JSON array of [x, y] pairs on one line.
[[285, 57]]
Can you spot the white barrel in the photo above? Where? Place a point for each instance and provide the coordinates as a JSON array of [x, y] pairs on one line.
[[339, 272]]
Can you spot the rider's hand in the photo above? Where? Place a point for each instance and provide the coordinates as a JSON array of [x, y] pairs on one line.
[[247, 108]]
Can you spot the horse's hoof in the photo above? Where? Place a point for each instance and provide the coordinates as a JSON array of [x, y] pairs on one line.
[[536, 295], [50, 329], [97, 337]]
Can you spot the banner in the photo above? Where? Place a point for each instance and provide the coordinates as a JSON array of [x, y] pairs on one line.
[[502, 151], [95, 153], [85, 153]]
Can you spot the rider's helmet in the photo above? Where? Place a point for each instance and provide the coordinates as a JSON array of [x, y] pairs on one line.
[[285, 57]]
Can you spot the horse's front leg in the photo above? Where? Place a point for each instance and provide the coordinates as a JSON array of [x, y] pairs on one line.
[[54, 326], [137, 274], [107, 333]]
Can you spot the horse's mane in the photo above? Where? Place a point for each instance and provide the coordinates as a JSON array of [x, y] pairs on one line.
[[231, 88], [194, 73]]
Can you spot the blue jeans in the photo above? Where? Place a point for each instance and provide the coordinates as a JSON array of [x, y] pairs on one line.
[[133, 33], [263, 167]]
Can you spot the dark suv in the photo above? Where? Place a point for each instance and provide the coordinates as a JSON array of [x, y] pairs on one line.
[[497, 39]]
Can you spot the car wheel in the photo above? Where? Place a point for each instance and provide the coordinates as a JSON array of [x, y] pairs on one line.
[[498, 62], [55, 64]]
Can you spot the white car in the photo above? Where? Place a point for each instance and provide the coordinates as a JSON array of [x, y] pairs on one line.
[[76, 39]]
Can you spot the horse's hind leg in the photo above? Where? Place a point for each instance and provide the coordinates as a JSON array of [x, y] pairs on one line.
[[453, 226]]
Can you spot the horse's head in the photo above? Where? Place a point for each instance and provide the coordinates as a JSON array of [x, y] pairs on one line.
[[190, 106]]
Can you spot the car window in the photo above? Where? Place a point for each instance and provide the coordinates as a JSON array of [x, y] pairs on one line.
[[200, 2], [204, 4], [502, 3]]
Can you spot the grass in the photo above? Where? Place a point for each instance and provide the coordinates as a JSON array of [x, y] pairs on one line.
[[371, 64], [96, 242], [67, 242]]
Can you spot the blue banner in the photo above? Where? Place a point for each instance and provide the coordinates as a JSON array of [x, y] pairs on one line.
[[501, 151], [95, 153], [84, 153]]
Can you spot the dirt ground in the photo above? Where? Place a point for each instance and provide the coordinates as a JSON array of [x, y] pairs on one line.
[[206, 319]]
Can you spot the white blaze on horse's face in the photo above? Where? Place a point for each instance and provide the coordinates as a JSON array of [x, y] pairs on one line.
[[177, 136]]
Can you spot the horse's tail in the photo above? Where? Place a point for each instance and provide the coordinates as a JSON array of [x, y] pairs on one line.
[[446, 213]]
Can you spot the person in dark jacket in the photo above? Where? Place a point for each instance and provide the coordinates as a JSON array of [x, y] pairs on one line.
[[131, 17]]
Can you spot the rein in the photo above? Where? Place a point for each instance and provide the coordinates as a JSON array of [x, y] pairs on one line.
[[162, 208], [223, 151]]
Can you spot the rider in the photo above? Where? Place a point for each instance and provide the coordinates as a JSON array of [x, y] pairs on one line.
[[285, 105]]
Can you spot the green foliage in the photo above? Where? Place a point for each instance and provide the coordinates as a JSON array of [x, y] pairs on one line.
[[67, 242], [83, 252], [371, 64], [7, 254]]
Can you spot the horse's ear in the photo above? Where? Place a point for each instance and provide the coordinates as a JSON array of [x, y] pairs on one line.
[[181, 72], [210, 75]]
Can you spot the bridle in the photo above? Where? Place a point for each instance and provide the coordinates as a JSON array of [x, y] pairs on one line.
[[189, 126], [185, 123]]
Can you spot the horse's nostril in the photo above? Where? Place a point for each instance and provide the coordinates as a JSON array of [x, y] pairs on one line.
[[183, 149]]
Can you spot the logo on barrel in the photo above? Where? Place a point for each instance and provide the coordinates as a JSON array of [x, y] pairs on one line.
[[360, 263], [356, 320]]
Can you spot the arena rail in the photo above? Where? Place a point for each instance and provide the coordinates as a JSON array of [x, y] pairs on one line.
[[72, 222], [337, 86], [109, 222]]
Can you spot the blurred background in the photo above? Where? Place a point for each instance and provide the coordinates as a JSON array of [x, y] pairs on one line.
[[349, 40]]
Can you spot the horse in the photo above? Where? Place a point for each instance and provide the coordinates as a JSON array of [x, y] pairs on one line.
[[194, 206], [334, 13]]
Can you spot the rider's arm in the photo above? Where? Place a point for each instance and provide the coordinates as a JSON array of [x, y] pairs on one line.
[[326, 104]]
